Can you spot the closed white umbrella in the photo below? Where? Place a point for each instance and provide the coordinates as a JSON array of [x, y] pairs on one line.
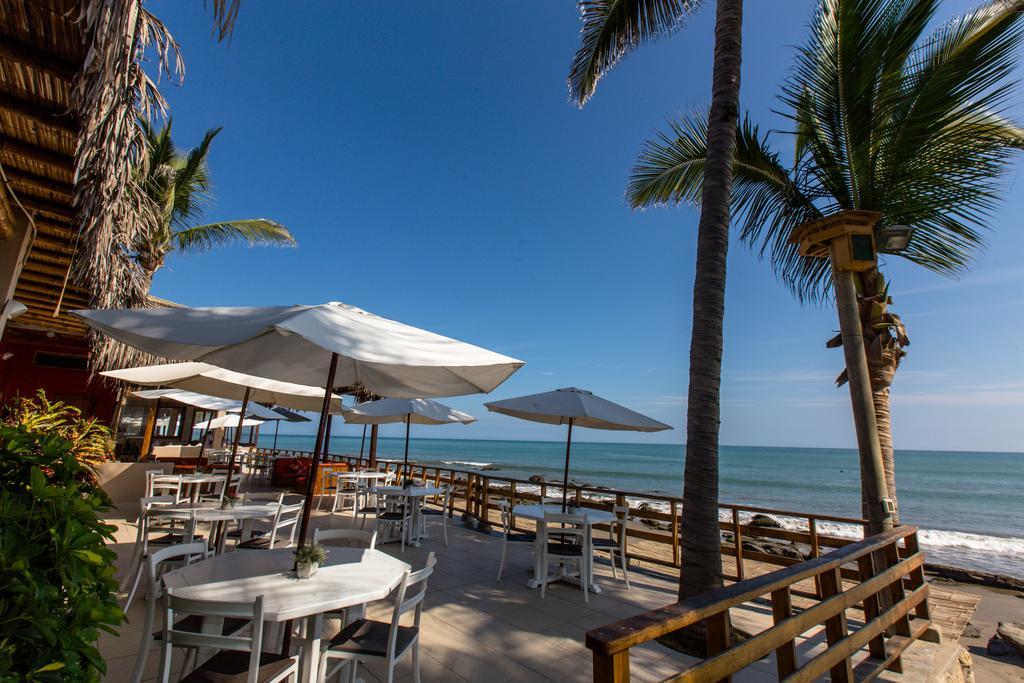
[[304, 344], [572, 406], [407, 410], [227, 421]]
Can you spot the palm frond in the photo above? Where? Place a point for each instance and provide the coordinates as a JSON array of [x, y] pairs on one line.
[[257, 231], [192, 180], [225, 14], [611, 29]]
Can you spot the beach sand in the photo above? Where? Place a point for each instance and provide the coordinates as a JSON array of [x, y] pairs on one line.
[[996, 605]]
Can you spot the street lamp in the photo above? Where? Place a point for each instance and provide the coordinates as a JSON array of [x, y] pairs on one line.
[[847, 239], [894, 239]]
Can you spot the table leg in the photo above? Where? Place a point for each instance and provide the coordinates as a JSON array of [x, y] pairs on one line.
[[309, 664]]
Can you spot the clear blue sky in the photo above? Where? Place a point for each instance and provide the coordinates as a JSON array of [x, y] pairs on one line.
[[427, 160]]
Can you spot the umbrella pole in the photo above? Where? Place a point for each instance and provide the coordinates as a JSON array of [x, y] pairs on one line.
[[307, 506], [206, 432], [405, 462], [277, 428], [362, 445], [238, 437], [565, 476]]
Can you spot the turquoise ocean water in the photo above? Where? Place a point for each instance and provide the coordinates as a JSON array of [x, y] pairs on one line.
[[970, 506]]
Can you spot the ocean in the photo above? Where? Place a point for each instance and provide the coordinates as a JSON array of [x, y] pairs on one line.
[[969, 506]]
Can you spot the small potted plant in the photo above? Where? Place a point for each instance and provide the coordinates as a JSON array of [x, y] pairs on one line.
[[308, 559]]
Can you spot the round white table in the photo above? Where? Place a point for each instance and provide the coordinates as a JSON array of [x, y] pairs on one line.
[[416, 494], [536, 513], [349, 577]]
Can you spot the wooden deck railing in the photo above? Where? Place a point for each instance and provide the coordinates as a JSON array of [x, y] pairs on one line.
[[887, 597], [476, 495]]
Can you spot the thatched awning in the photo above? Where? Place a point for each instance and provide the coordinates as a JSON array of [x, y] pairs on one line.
[[41, 52]]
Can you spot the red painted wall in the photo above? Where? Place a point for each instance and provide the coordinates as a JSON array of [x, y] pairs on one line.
[[21, 373]]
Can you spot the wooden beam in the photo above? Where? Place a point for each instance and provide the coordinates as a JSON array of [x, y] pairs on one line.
[[30, 182], [52, 245], [60, 211], [45, 269], [49, 257], [47, 157], [30, 55], [51, 292], [39, 114]]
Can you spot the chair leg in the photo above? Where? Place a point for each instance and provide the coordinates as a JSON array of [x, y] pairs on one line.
[[416, 662], [543, 578], [585, 578], [135, 586], [625, 574], [352, 673], [501, 562], [611, 557]]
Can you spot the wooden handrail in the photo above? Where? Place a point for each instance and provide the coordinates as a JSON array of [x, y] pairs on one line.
[[654, 623]]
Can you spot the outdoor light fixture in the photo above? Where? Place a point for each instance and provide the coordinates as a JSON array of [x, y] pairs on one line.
[[894, 239], [13, 309], [847, 238]]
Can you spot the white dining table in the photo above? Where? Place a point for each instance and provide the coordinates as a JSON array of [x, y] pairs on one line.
[[197, 479], [416, 494], [349, 577], [217, 516], [536, 513]]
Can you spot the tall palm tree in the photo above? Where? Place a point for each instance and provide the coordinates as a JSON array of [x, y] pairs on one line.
[[887, 116], [179, 186], [611, 29]]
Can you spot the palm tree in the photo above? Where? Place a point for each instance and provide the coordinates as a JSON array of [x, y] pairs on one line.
[[886, 118], [179, 186], [612, 28]]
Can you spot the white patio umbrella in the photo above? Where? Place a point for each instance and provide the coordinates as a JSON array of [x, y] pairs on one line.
[[227, 421], [408, 410], [330, 345], [572, 406]]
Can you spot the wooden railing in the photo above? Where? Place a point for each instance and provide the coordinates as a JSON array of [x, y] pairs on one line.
[[476, 495], [888, 591]]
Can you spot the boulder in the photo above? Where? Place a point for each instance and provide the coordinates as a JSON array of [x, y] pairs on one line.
[[764, 521], [1012, 633], [997, 647], [971, 631], [536, 479]]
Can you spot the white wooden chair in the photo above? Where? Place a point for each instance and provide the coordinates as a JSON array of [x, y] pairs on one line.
[[153, 531], [346, 538], [282, 530], [366, 640], [157, 563], [615, 544], [346, 491], [444, 511], [509, 535], [572, 547], [395, 510], [160, 484], [239, 656]]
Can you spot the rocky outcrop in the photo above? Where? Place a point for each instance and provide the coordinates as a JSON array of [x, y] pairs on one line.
[[975, 577], [1008, 640]]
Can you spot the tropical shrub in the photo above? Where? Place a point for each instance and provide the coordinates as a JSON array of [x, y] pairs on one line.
[[56, 573], [90, 440]]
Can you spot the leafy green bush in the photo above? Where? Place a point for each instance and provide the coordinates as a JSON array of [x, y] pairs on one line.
[[90, 440], [56, 573]]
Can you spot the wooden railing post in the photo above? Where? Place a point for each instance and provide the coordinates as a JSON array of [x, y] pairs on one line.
[[737, 539], [836, 628], [812, 528], [611, 668], [785, 654], [485, 504], [865, 570]]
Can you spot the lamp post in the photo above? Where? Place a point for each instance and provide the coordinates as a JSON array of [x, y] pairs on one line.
[[847, 239]]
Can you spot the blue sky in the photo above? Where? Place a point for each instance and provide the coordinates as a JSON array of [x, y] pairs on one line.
[[432, 170]]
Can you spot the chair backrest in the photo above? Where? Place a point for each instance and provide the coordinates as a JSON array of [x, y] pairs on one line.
[[250, 640], [409, 596], [159, 483], [285, 522], [346, 538], [391, 502], [262, 497], [160, 561], [619, 524], [566, 526], [505, 510]]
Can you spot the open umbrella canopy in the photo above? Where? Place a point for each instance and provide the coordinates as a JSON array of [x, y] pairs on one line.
[[214, 381], [227, 421], [415, 410], [582, 407], [209, 403], [290, 416], [296, 344], [572, 406]]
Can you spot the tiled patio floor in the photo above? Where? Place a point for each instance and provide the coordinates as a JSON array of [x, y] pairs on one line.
[[477, 630]]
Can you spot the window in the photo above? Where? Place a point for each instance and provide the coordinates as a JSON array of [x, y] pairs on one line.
[[169, 422], [133, 421], [64, 361]]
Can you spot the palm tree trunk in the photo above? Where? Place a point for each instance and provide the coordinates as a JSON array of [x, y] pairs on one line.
[[701, 538], [883, 418]]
